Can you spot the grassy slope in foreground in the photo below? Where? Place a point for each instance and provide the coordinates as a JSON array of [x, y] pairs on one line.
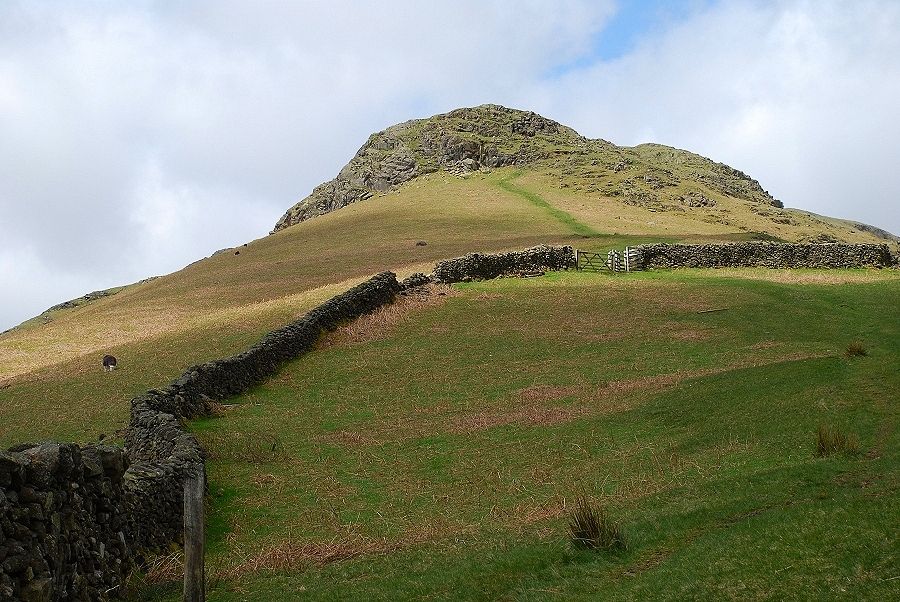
[[437, 458], [51, 385]]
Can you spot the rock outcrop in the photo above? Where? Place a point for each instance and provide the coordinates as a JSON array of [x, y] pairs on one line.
[[491, 136]]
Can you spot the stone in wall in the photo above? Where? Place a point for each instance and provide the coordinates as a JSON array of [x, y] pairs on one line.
[[415, 280]]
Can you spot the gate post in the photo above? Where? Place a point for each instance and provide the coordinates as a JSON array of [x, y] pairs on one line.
[[194, 537]]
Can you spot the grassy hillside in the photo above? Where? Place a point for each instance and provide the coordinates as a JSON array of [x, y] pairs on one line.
[[222, 304], [51, 367], [435, 450], [728, 218]]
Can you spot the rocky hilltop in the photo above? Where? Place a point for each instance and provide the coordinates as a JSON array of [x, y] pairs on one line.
[[492, 136]]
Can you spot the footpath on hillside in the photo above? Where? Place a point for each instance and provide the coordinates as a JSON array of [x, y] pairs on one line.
[[537, 200]]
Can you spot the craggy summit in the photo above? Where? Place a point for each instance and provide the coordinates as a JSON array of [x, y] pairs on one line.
[[492, 136]]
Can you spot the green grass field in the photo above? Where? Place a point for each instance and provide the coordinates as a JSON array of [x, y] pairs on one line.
[[436, 451]]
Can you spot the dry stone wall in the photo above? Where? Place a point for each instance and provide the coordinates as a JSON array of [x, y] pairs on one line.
[[482, 266], [64, 527], [763, 254], [163, 453]]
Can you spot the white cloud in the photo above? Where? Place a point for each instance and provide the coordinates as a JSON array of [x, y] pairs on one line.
[[30, 293], [159, 132], [797, 94], [163, 131], [167, 215]]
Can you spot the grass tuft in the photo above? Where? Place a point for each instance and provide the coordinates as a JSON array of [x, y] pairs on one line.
[[831, 441], [856, 350], [591, 528], [163, 568]]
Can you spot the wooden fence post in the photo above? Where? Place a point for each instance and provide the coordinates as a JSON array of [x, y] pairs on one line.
[[194, 537], [576, 259]]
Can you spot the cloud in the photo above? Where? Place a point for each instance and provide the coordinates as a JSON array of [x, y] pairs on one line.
[[157, 132], [797, 94]]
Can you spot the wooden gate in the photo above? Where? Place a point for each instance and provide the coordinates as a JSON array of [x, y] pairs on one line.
[[613, 261], [589, 262], [632, 259]]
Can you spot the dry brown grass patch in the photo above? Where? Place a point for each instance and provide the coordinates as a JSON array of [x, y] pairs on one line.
[[487, 296], [764, 345], [263, 479], [648, 383], [632, 302], [546, 392], [526, 515], [661, 381], [347, 438], [164, 568], [691, 334], [292, 554], [613, 395], [380, 323], [217, 409], [607, 337], [91, 331], [534, 415], [289, 555]]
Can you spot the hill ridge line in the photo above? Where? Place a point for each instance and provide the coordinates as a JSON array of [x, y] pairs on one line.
[[488, 137]]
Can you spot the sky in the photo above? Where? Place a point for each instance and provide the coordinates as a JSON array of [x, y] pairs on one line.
[[137, 137]]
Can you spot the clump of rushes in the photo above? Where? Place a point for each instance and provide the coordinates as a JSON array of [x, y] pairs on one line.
[[856, 350], [591, 528], [831, 441]]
